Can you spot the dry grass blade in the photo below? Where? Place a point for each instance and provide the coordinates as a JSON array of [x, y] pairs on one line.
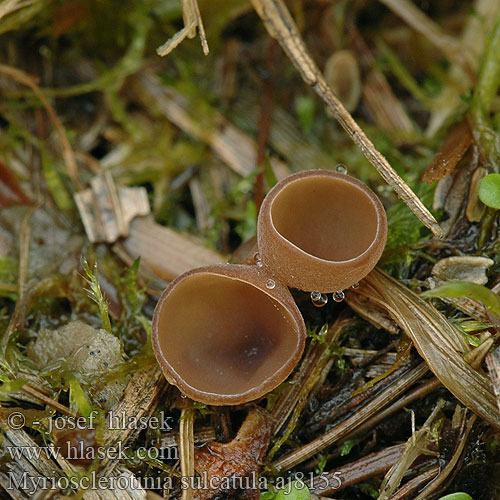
[[192, 19], [493, 363], [17, 319], [386, 109], [370, 311], [39, 467], [67, 152], [49, 401], [414, 447], [307, 376], [176, 40], [9, 6], [420, 392], [186, 449], [340, 431], [311, 374], [281, 26], [438, 341], [384, 106], [451, 465], [416, 483]]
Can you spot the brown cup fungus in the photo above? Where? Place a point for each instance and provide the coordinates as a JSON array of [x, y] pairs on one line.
[[321, 231], [227, 334]]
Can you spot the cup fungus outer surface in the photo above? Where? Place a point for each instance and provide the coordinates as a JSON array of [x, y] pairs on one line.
[[227, 334], [321, 231]]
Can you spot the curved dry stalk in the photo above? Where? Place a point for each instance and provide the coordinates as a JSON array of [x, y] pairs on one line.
[[192, 20], [186, 449], [17, 319], [280, 25], [438, 341], [67, 152]]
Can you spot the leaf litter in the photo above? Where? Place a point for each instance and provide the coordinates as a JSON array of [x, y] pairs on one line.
[[416, 90]]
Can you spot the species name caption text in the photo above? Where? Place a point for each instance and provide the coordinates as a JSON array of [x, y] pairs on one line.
[[79, 450], [92, 481]]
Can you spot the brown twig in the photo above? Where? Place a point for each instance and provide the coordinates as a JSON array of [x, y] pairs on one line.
[[357, 471], [32, 391], [265, 120]]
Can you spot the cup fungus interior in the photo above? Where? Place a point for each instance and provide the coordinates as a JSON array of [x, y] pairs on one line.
[[224, 336], [317, 213]]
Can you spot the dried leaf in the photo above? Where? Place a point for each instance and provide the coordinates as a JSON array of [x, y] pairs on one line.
[[239, 459], [493, 363], [454, 147], [437, 340], [164, 252]]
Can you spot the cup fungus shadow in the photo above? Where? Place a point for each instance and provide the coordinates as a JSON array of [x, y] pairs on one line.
[[225, 335], [321, 231]]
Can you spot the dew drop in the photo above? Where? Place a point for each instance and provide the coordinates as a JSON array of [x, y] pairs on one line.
[[338, 296], [270, 284], [183, 396], [356, 285], [318, 299], [259, 264], [341, 169]]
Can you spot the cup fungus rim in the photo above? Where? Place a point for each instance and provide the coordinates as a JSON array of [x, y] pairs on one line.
[[281, 296], [267, 206]]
